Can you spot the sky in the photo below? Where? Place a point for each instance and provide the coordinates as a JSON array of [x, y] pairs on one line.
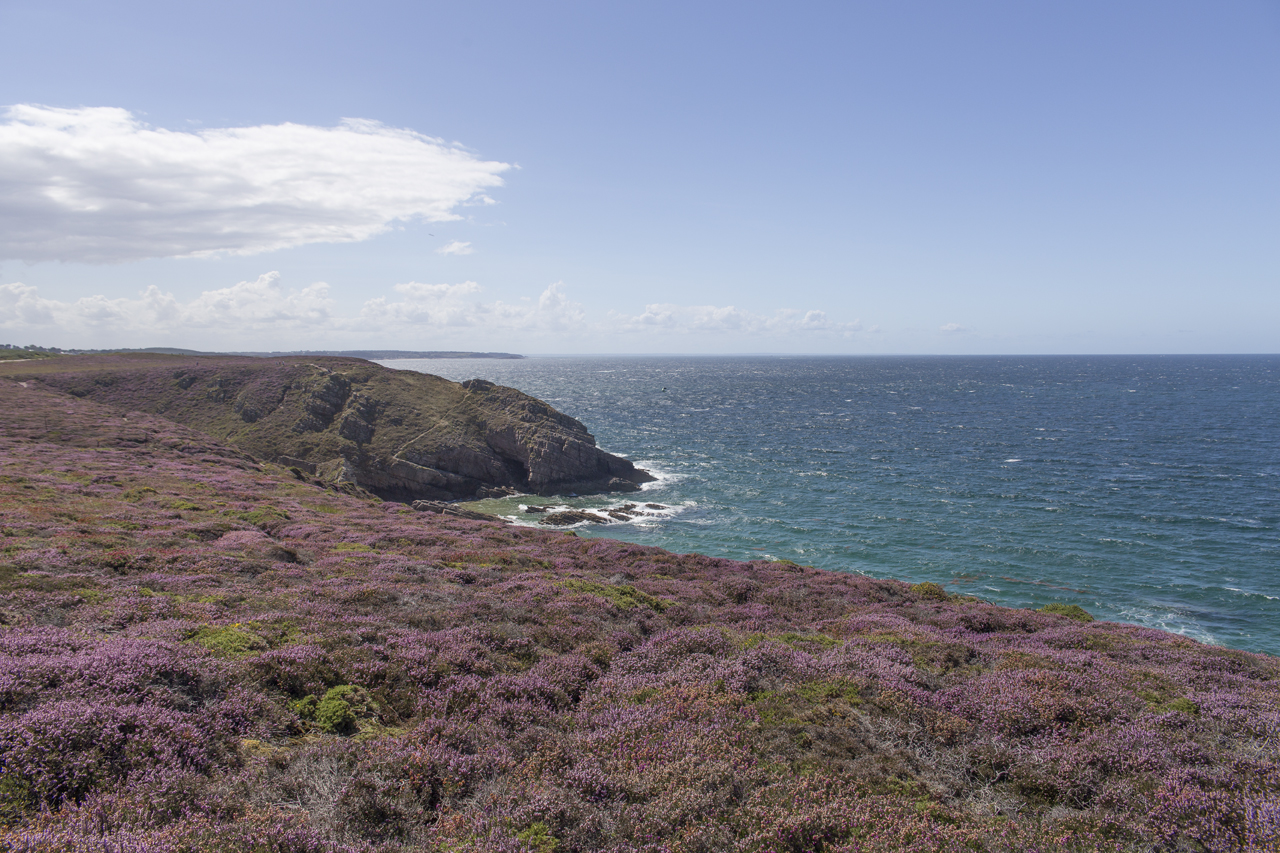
[[993, 176]]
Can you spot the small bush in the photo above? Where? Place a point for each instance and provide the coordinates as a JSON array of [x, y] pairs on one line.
[[229, 641], [338, 711], [1071, 611], [305, 707], [335, 716], [930, 590], [537, 836]]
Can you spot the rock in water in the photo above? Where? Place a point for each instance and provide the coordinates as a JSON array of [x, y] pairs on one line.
[[572, 516], [400, 434]]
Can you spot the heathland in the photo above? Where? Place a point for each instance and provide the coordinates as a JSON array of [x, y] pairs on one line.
[[201, 649]]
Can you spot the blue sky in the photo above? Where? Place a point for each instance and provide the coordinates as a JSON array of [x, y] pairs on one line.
[[887, 177]]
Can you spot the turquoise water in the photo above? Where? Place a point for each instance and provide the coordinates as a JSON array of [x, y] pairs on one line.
[[1145, 489]]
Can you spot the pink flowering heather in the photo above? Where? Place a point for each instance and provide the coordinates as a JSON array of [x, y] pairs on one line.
[[203, 652]]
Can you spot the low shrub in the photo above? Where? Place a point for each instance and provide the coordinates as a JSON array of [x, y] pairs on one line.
[[1071, 611]]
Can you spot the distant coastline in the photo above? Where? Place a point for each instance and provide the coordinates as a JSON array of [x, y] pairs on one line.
[[369, 354]]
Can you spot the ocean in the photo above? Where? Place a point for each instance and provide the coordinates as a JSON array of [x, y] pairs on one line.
[[1145, 489]]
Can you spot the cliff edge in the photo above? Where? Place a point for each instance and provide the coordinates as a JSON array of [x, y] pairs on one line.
[[400, 434]]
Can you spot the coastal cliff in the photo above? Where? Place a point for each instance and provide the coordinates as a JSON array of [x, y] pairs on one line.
[[399, 434]]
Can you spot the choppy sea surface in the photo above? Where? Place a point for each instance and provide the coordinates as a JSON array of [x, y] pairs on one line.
[[1145, 489]]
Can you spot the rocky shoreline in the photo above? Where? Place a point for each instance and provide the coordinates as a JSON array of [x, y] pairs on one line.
[[568, 517]]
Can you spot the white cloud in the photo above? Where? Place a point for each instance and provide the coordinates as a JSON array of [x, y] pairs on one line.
[[264, 315], [96, 185], [244, 307], [703, 319], [444, 306], [456, 248], [259, 303], [951, 327]]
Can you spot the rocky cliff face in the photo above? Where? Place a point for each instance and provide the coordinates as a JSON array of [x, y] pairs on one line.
[[400, 434]]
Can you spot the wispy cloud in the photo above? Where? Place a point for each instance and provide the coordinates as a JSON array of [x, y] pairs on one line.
[[951, 327], [97, 185], [702, 319], [456, 248]]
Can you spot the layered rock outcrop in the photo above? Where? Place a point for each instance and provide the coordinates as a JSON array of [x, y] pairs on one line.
[[399, 434]]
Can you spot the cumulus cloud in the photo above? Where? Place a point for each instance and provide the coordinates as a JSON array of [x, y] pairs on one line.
[[96, 185], [456, 248], [459, 306], [701, 319], [264, 314], [247, 306]]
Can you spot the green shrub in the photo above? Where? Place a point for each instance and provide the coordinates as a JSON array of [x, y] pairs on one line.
[[930, 590], [305, 707], [1071, 611], [538, 837], [334, 713], [229, 641]]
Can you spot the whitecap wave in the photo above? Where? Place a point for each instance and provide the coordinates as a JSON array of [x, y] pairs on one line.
[[1250, 593], [1173, 622], [662, 475], [612, 512]]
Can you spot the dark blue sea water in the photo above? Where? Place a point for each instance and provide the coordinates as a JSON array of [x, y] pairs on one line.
[[1146, 489]]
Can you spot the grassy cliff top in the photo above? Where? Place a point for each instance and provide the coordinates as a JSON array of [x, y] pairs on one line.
[[199, 651]]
